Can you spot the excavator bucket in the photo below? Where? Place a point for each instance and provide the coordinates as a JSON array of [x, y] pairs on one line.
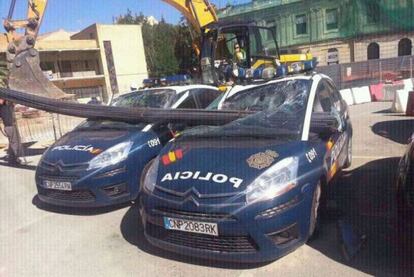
[[26, 75]]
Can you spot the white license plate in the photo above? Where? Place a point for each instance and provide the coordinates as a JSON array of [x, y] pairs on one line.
[[191, 226], [58, 185]]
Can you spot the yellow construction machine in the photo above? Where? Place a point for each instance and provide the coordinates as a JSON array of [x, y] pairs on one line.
[[216, 45], [22, 58]]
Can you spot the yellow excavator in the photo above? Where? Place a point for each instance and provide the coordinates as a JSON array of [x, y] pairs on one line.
[[217, 49], [22, 58]]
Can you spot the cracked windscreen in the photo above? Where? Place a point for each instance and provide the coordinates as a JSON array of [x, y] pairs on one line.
[[280, 111], [152, 98]]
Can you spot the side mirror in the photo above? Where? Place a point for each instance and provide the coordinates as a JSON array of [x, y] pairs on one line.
[[325, 124]]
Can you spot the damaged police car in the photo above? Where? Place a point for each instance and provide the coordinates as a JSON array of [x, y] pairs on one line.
[[249, 191], [99, 163]]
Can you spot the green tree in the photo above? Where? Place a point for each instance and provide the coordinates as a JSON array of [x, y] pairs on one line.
[[184, 52], [168, 47]]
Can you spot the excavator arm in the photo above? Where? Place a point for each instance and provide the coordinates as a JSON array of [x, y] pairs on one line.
[[199, 13], [23, 60], [35, 12]]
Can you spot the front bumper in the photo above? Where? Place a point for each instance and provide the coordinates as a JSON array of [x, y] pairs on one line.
[[92, 190], [256, 233]]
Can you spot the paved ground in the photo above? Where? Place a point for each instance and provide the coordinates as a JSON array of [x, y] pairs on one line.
[[39, 241]]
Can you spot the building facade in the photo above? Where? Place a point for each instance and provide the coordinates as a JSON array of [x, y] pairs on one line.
[[101, 60], [334, 31]]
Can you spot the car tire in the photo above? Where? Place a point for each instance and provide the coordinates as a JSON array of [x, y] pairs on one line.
[[405, 198], [348, 160], [143, 173], [314, 218]]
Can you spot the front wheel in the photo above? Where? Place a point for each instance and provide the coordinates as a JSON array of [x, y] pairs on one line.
[[315, 210], [348, 160]]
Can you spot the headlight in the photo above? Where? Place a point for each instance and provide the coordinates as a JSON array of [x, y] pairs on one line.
[[275, 181], [111, 156], [151, 176]]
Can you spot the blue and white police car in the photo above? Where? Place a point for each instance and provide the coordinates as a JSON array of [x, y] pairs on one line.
[[99, 163], [249, 191]]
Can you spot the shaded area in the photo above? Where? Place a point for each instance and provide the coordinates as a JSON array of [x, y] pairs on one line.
[[29, 152], [363, 197], [4, 162], [75, 211], [133, 231], [366, 198], [396, 130]]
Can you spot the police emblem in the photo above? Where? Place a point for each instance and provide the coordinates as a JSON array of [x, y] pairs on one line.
[[262, 160]]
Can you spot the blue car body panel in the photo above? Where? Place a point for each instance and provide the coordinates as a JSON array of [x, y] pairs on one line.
[[204, 179], [253, 224], [62, 162]]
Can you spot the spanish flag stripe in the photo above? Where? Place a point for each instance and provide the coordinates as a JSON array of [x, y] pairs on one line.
[[179, 154], [166, 160], [172, 157]]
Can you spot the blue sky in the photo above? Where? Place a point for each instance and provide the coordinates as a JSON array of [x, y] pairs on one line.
[[75, 15]]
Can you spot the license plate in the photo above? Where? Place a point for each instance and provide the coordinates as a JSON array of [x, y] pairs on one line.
[[58, 185], [191, 226]]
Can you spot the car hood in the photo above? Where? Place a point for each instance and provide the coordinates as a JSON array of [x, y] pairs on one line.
[[219, 167], [82, 146]]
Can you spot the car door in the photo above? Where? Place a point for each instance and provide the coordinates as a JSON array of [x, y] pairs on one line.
[[326, 102], [341, 106]]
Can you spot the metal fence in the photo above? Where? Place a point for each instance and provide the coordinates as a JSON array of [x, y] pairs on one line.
[[369, 72], [45, 127]]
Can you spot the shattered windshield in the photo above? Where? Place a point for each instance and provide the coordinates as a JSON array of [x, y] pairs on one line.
[[152, 98], [280, 111], [89, 125]]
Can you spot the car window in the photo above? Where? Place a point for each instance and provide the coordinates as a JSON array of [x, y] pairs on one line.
[[206, 96], [215, 104], [323, 100], [189, 103], [336, 96]]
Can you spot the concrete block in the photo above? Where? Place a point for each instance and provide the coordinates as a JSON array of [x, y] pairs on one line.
[[399, 105], [376, 92], [408, 84], [361, 95], [347, 96], [389, 91]]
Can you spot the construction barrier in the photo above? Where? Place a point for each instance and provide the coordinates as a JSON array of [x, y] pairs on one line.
[[399, 105], [408, 84], [400, 101], [46, 127], [376, 92], [347, 96], [361, 95], [389, 91]]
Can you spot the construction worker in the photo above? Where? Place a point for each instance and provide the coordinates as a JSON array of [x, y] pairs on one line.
[[239, 55], [15, 151]]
